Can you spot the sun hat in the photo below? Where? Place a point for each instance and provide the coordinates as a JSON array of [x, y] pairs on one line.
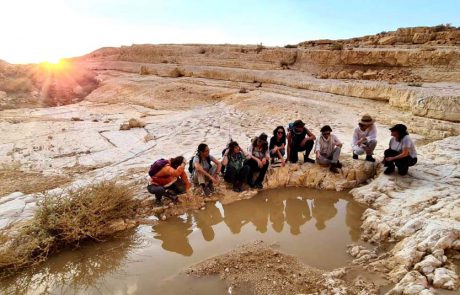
[[366, 119]]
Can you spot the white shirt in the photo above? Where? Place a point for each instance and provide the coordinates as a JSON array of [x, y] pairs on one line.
[[325, 146], [405, 143], [370, 134]]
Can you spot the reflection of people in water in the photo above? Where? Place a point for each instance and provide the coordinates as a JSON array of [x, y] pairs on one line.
[[353, 220], [205, 219], [237, 215], [260, 214], [297, 213], [276, 206], [322, 210], [174, 234]]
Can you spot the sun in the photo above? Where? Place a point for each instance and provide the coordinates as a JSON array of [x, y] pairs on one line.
[[55, 65]]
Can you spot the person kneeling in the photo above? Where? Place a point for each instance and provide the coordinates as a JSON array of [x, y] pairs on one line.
[[277, 145], [364, 138], [203, 172], [168, 179], [402, 151], [236, 172], [328, 148]]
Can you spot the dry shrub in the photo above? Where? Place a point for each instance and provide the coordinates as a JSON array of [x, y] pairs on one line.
[[291, 46], [135, 123], [415, 84], [259, 48], [176, 73], [65, 220], [243, 90], [144, 71], [202, 50]]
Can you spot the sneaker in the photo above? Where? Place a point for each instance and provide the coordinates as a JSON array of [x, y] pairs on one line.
[[258, 186], [370, 158], [339, 165], [211, 187], [333, 168], [389, 170], [308, 160], [158, 203], [206, 191], [355, 156]]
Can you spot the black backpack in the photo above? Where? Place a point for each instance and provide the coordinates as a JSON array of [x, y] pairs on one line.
[[191, 167]]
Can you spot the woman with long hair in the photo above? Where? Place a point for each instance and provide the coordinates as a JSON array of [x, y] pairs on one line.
[[277, 145], [236, 172], [258, 161], [401, 151]]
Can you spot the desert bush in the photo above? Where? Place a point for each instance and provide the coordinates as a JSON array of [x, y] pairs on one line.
[[202, 50], [176, 73], [144, 71], [290, 46], [65, 220], [442, 27], [243, 90], [415, 84], [259, 48], [336, 46]]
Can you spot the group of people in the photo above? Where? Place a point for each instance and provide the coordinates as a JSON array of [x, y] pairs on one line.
[[239, 167]]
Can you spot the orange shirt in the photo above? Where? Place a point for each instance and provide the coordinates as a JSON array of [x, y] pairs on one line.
[[168, 175]]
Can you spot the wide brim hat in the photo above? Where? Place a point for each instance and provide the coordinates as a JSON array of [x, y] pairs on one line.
[[367, 120], [298, 123], [263, 137]]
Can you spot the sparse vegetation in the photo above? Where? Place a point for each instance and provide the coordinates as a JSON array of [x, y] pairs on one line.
[[144, 70], [259, 48], [176, 73], [243, 90], [442, 27], [66, 220], [202, 50], [291, 46], [415, 84]]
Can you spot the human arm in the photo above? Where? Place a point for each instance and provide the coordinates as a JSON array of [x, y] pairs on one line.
[[225, 159], [404, 153], [372, 134], [337, 141], [218, 164]]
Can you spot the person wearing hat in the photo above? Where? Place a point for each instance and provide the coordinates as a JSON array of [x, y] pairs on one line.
[[299, 139], [364, 138], [328, 148], [401, 152], [258, 161]]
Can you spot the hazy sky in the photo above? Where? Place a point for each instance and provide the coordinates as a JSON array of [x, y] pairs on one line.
[[39, 30]]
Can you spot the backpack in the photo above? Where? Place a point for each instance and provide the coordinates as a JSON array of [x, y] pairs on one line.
[[157, 166], [191, 167]]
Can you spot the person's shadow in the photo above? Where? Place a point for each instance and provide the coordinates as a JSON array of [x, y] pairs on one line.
[[174, 234], [323, 209], [205, 219]]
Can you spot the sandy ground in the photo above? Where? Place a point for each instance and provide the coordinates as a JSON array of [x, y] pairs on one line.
[[258, 268], [83, 143]]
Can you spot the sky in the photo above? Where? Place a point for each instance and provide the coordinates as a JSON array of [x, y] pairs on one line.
[[46, 30]]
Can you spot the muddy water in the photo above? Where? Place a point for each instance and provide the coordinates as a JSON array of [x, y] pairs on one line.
[[313, 225]]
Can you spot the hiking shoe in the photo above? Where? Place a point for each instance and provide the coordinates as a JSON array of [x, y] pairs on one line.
[[258, 186], [339, 165], [211, 187], [158, 203], [389, 170], [206, 191], [333, 168], [237, 189], [355, 156], [308, 160], [370, 158]]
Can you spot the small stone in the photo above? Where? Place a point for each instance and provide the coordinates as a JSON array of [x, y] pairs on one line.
[[227, 269]]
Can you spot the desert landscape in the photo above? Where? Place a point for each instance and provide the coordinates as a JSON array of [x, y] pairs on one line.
[[82, 134]]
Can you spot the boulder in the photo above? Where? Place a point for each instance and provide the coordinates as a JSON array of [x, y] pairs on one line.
[[420, 38], [388, 40]]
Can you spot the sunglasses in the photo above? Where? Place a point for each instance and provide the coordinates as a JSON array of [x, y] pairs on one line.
[[326, 133], [280, 132]]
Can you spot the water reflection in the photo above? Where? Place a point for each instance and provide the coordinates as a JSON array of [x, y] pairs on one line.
[[173, 234], [274, 207], [74, 271]]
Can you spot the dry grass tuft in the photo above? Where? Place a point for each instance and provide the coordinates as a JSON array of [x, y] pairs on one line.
[[176, 73], [144, 70], [415, 84], [336, 46], [65, 220]]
